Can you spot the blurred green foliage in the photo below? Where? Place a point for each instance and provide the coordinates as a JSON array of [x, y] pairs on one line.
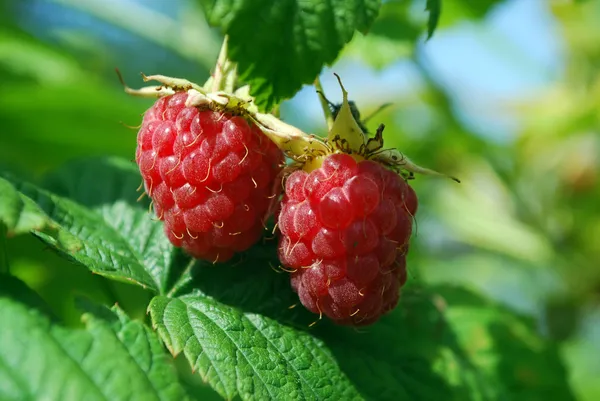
[[523, 228]]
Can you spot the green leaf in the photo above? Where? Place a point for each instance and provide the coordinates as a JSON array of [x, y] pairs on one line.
[[11, 287], [460, 10], [248, 354], [89, 113], [394, 22], [233, 325], [506, 347], [377, 51], [280, 45], [391, 360], [398, 357], [418, 352], [18, 213], [435, 9], [115, 237], [108, 187], [113, 358], [448, 343]]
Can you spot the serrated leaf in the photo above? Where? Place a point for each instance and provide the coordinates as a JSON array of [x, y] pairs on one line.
[[113, 358], [290, 40], [397, 358], [108, 187], [418, 352], [247, 354], [234, 327], [114, 239], [18, 213], [390, 361], [447, 343], [435, 9]]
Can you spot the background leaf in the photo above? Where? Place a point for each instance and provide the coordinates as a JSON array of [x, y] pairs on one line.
[[505, 346], [419, 352], [435, 9], [108, 187], [459, 10], [18, 213], [116, 240], [113, 358], [291, 40], [248, 354]]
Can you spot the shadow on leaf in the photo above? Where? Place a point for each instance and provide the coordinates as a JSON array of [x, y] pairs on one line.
[[97, 182], [393, 359], [108, 185], [439, 343]]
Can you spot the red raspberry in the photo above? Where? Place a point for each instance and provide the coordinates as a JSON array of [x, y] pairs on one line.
[[210, 176], [345, 230]]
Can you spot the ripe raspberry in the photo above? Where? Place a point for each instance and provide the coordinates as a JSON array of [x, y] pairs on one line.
[[210, 176], [345, 229]]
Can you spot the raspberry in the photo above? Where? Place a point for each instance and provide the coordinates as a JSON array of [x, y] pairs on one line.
[[345, 229], [210, 175]]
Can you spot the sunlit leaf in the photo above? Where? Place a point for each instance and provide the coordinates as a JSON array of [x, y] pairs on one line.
[[291, 41], [247, 354], [112, 358]]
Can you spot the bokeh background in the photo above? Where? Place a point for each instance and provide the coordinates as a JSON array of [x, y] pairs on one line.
[[506, 95]]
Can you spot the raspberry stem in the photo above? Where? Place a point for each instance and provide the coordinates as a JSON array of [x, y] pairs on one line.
[[324, 104], [224, 77]]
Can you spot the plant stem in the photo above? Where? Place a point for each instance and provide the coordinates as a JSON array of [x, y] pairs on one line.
[[224, 77], [324, 104], [220, 67]]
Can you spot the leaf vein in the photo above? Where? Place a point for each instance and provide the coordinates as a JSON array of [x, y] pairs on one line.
[[238, 348]]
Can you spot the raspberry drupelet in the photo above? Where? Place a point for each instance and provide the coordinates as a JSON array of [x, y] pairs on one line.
[[210, 175]]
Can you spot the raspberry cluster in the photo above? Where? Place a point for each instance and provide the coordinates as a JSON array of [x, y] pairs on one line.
[[212, 163], [209, 174], [345, 229]]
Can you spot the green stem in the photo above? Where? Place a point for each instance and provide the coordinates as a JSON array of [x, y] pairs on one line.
[[324, 104], [220, 67], [224, 77]]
